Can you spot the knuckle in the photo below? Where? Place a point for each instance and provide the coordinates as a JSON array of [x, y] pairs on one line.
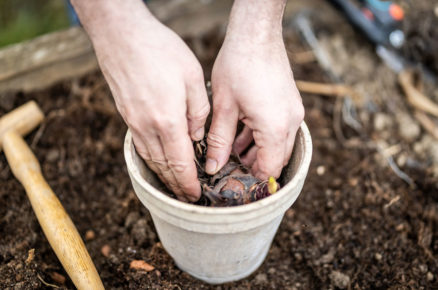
[[277, 131], [195, 73], [178, 167], [216, 141], [201, 114], [221, 106], [161, 164], [164, 123], [299, 113]]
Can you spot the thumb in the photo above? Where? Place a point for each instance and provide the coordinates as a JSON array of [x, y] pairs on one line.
[[221, 136]]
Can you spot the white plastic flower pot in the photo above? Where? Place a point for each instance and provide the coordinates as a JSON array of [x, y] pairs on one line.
[[219, 245]]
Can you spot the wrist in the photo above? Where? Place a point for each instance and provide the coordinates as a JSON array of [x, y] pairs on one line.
[[102, 18], [256, 20]]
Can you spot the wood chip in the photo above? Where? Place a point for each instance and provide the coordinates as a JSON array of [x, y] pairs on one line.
[[335, 90], [302, 57], [141, 265], [105, 250], [58, 278], [90, 235], [30, 256]]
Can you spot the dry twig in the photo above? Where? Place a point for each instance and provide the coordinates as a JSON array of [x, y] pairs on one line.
[[336, 90], [46, 283], [302, 57], [417, 99], [427, 123]]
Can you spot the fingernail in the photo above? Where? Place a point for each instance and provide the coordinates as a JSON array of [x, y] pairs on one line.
[[199, 134], [210, 166]]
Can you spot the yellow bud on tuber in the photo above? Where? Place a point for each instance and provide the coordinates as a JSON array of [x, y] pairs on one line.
[[272, 185]]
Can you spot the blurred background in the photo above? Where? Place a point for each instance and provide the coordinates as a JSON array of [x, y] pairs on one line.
[[22, 19]]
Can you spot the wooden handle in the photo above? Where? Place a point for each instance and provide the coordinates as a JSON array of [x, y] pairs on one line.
[[21, 120], [54, 220]]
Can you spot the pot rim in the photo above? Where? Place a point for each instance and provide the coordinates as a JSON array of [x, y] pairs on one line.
[[205, 210]]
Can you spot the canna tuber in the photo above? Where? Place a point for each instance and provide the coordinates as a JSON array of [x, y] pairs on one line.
[[232, 185]]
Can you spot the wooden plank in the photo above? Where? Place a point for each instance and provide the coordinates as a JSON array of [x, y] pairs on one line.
[[41, 62]]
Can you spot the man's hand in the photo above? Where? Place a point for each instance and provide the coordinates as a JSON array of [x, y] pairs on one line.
[[252, 81], [158, 86]]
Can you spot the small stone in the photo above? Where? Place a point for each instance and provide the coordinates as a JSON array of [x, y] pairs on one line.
[[378, 256], [105, 250], [423, 268], [408, 127], [271, 271], [401, 160], [141, 265], [328, 258], [320, 170], [382, 121], [89, 235], [298, 257], [131, 218], [52, 155], [58, 278], [399, 227], [430, 276], [340, 279], [261, 278], [158, 273], [353, 181]]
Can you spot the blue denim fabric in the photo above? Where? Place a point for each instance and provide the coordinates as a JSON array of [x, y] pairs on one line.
[[74, 20]]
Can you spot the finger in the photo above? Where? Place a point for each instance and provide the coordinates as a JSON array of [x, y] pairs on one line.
[[180, 157], [270, 155], [250, 157], [158, 160], [198, 109], [243, 140], [142, 150], [221, 136]]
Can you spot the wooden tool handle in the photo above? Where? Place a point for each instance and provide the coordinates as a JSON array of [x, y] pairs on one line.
[[54, 220], [21, 120]]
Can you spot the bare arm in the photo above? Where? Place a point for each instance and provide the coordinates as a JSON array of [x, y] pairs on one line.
[[252, 81], [157, 83]]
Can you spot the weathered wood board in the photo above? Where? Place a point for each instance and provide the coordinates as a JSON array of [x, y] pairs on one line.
[[45, 60]]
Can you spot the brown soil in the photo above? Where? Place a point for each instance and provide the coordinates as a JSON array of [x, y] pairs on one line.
[[355, 225], [422, 35]]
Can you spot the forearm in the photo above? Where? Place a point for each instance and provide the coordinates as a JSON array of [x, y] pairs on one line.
[[256, 20]]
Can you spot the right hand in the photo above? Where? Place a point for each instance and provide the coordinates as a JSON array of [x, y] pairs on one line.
[[159, 89]]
